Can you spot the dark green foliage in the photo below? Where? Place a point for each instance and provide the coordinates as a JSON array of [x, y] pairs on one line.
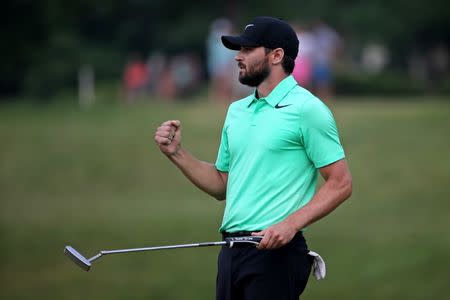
[[45, 42]]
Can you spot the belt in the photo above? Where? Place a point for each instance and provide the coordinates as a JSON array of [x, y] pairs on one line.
[[237, 234], [248, 233]]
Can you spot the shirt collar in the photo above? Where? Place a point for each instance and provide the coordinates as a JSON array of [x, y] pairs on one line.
[[278, 93]]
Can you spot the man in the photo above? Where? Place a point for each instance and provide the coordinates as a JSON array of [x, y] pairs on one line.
[[274, 143]]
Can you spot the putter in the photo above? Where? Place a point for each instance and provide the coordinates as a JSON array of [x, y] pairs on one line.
[[85, 263]]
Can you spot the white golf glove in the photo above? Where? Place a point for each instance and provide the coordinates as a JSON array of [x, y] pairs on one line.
[[318, 268]]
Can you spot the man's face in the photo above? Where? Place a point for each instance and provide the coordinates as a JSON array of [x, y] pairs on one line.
[[253, 66]]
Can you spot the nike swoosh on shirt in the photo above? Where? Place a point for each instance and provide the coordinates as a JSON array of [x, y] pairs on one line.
[[281, 106]]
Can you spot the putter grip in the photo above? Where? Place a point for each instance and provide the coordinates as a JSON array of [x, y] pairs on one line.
[[243, 240]]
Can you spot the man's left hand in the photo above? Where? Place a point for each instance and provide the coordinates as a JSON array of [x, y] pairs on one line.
[[276, 235]]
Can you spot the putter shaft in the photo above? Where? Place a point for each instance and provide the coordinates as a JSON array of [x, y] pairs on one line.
[[164, 247], [85, 263]]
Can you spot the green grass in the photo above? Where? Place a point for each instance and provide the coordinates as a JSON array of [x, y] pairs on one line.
[[94, 179]]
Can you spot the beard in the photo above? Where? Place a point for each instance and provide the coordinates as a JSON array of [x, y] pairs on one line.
[[256, 74]]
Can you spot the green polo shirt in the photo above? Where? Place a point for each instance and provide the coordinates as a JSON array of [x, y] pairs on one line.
[[272, 149]]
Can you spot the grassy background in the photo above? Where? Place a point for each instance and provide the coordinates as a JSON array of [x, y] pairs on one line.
[[94, 179]]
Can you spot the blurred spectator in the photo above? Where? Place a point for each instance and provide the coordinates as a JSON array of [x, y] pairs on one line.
[[185, 71], [86, 86], [430, 65], [374, 58], [166, 88], [417, 67], [135, 79], [220, 61], [327, 45], [178, 76], [439, 61], [155, 67], [304, 61]]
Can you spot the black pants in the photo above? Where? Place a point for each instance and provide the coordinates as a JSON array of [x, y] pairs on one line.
[[246, 273]]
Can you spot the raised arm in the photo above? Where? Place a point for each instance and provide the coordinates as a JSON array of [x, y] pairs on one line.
[[202, 174]]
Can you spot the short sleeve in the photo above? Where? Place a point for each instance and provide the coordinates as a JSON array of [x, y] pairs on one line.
[[223, 155], [320, 134]]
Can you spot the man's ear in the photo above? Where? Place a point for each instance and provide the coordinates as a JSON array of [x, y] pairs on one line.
[[277, 56]]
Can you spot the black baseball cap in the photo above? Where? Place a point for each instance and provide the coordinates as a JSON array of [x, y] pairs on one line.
[[266, 32]]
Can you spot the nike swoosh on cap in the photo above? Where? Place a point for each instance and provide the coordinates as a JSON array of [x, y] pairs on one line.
[[249, 25]]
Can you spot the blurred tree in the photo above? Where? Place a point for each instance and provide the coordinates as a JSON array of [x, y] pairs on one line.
[[22, 30], [46, 41]]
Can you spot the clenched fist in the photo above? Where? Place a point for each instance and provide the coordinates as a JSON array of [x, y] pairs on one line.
[[168, 137]]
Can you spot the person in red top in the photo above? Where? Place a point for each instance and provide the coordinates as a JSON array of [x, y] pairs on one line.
[[135, 79]]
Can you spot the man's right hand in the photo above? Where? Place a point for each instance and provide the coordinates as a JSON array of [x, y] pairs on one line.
[[168, 137], [204, 175]]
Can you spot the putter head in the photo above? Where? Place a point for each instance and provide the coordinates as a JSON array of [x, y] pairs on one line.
[[77, 258]]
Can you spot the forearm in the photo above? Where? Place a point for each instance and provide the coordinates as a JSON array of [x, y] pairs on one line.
[[202, 174], [327, 198]]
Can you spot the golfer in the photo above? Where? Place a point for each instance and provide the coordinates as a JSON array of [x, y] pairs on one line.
[[274, 143]]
